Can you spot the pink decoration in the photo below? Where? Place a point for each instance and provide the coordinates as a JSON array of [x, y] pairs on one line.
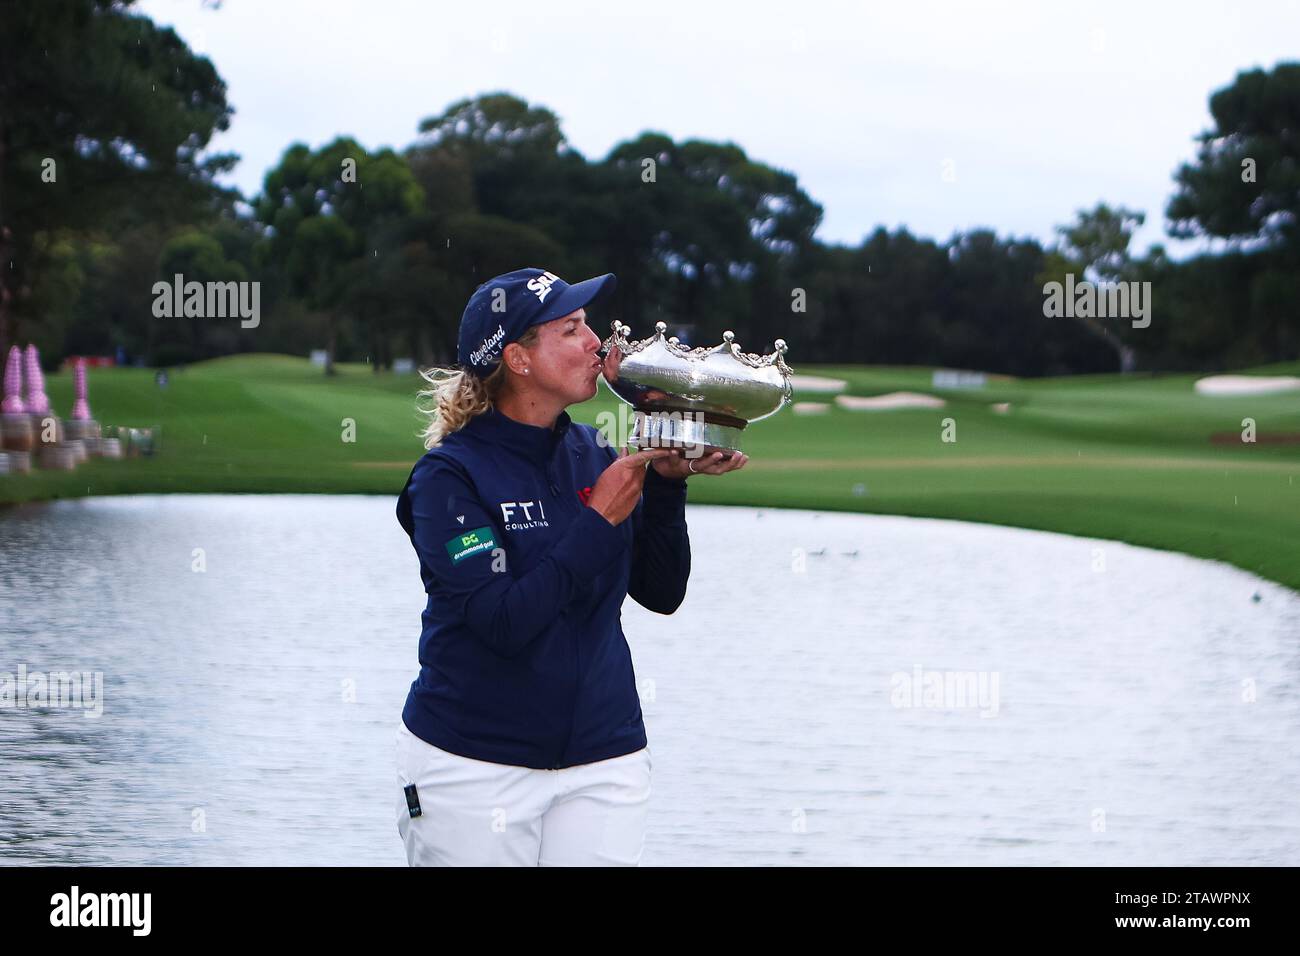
[[38, 403], [80, 407], [13, 402]]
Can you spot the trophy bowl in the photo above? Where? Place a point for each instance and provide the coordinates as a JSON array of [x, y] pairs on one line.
[[697, 399]]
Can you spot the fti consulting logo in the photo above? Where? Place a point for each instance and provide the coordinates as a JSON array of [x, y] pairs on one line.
[[532, 514]]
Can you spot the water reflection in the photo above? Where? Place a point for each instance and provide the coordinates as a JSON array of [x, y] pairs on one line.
[[249, 707]]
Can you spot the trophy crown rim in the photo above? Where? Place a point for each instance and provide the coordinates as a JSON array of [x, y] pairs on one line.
[[620, 332]]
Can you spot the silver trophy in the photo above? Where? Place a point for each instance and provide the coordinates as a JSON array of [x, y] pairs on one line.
[[697, 399]]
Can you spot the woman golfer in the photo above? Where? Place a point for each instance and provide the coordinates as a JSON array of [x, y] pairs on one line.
[[521, 742]]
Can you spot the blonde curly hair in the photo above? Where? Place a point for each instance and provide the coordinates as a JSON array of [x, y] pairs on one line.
[[458, 395]]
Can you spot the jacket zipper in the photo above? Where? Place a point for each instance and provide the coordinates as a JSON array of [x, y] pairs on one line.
[[553, 482]]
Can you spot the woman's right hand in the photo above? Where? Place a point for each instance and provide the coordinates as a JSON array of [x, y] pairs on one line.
[[618, 488]]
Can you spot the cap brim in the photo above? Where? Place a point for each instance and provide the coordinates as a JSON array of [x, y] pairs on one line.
[[579, 296]]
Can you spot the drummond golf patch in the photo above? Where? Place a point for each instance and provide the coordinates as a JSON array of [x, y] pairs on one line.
[[470, 543]]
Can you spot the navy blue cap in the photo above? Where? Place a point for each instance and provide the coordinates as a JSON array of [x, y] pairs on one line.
[[504, 308]]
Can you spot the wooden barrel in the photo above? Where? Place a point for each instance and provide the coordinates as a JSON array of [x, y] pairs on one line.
[[56, 457], [74, 428], [20, 462], [17, 432]]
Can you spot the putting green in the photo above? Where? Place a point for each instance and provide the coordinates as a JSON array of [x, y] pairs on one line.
[[1141, 458]]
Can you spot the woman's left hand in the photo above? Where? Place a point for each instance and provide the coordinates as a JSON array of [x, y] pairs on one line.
[[677, 465]]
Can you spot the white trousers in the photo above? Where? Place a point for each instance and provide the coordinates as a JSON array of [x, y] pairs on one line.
[[478, 813]]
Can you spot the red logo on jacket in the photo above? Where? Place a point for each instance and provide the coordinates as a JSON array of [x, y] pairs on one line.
[[584, 495]]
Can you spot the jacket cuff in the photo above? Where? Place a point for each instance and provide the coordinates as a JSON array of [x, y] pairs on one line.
[[656, 483]]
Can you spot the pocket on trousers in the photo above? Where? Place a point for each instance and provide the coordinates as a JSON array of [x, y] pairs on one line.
[[413, 769], [402, 746]]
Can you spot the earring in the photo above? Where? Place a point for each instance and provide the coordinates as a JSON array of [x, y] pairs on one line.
[[525, 371]]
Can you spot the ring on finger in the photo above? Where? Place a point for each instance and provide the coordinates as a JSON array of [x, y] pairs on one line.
[[690, 465]]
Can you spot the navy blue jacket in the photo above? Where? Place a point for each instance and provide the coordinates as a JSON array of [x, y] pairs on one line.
[[522, 655]]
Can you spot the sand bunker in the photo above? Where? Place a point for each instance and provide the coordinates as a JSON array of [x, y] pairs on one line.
[[811, 408], [816, 383], [1246, 384], [880, 403]]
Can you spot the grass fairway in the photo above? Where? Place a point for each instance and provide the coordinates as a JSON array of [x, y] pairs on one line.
[[1124, 458]]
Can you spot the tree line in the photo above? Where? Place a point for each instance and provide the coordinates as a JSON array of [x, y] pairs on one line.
[[106, 188]]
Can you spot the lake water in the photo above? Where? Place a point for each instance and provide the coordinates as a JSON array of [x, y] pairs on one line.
[[1125, 706]]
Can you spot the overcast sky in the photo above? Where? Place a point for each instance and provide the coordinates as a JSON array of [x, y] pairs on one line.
[[1035, 109]]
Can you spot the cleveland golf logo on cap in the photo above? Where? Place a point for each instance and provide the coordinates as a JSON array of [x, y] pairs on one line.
[[488, 346], [541, 286]]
